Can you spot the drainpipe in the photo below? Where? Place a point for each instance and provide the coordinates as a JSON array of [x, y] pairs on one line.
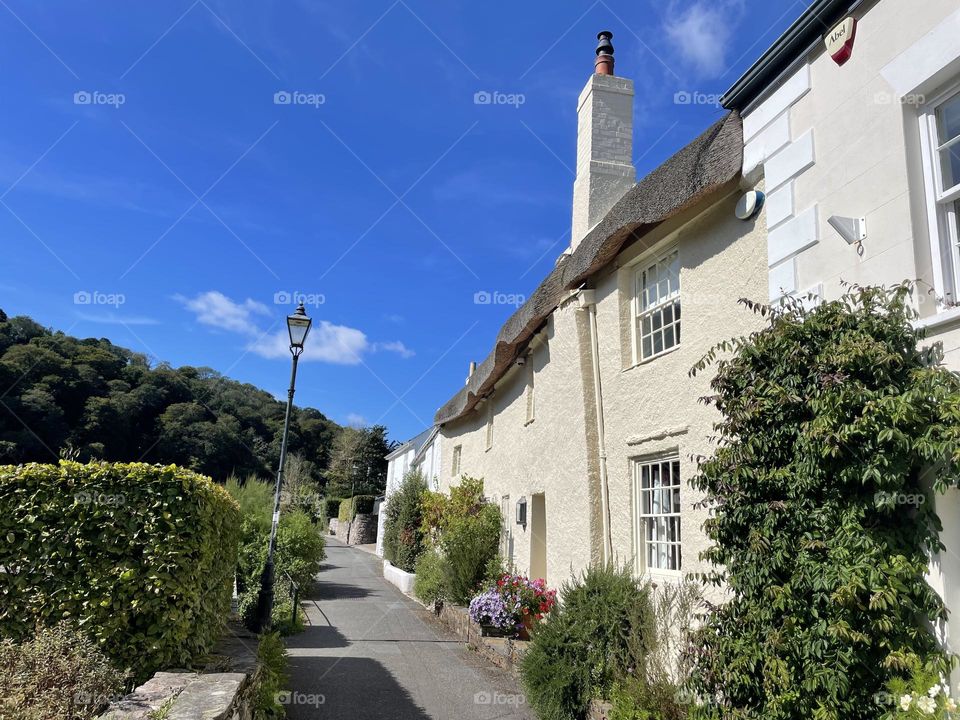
[[588, 302]]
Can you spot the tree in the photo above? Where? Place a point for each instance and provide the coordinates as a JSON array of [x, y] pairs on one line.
[[358, 462], [835, 429], [98, 400]]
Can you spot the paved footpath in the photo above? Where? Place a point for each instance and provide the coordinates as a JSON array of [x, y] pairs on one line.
[[371, 652]]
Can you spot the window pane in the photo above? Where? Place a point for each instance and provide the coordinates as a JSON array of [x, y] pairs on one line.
[[657, 318], [668, 341], [668, 315], [950, 166], [647, 347], [657, 343], [646, 329], [948, 119]]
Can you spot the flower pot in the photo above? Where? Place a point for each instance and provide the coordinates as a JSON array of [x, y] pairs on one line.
[[523, 633], [494, 631]]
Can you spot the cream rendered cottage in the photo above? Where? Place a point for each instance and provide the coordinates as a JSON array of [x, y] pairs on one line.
[[583, 421], [870, 140]]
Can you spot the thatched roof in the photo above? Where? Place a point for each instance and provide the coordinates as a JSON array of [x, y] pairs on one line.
[[701, 168]]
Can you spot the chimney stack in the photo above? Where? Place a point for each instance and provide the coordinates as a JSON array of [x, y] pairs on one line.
[[605, 170]]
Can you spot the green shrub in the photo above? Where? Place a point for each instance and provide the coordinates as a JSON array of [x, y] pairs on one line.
[[300, 551], [329, 510], [402, 533], [59, 674], [141, 556], [271, 679], [357, 505], [428, 585], [469, 544], [593, 636], [833, 423]]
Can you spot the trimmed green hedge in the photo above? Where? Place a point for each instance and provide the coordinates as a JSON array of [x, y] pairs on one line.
[[331, 509], [141, 556], [357, 505]]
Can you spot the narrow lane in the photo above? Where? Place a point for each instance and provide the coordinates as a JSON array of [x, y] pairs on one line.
[[371, 652]]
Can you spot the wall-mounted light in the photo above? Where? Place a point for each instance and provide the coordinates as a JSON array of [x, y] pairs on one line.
[[522, 512], [750, 205], [853, 230]]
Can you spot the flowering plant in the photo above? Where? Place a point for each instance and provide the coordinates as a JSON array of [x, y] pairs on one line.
[[530, 598], [488, 608], [513, 604], [925, 695]]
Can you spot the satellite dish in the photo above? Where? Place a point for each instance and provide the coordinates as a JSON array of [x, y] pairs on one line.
[[750, 205]]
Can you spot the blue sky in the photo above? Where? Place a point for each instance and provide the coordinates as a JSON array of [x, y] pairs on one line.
[[165, 164]]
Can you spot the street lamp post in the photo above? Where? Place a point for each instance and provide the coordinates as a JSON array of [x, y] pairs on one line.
[[298, 325]]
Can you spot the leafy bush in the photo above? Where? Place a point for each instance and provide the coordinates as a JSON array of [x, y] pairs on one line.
[[428, 584], [59, 674], [299, 552], [357, 505], [594, 635], [271, 679], [653, 683], [329, 510], [142, 557], [469, 543], [402, 532], [833, 421]]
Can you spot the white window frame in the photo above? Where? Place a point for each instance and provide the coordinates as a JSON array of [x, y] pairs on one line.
[[457, 458], [942, 217], [642, 519], [637, 311]]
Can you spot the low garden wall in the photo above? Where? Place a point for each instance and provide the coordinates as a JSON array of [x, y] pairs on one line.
[[362, 530], [394, 575], [223, 691], [505, 653]]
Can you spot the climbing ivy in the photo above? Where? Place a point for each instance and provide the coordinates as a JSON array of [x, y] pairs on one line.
[[837, 431]]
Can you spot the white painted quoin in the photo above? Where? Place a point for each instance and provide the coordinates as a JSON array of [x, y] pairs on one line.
[[876, 137]]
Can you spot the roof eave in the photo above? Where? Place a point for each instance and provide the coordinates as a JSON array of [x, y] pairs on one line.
[[805, 33]]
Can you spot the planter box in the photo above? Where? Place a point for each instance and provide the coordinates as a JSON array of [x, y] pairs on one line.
[[396, 576]]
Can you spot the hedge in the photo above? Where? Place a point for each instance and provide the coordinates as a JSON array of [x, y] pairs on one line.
[[141, 556], [331, 509], [357, 505]]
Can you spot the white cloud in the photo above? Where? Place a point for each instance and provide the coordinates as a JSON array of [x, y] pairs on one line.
[[701, 33], [327, 342], [218, 311], [396, 346], [356, 420], [116, 319]]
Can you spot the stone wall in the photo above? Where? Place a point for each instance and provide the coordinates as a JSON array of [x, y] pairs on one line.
[[222, 691], [361, 531], [505, 653]]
